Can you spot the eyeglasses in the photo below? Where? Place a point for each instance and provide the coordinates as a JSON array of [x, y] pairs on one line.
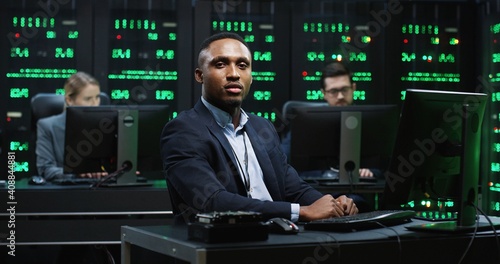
[[335, 92]]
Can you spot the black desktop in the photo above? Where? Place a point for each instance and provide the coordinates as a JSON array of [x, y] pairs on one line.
[[325, 137], [120, 139], [435, 162]]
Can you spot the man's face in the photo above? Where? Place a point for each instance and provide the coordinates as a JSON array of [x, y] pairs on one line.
[[225, 73], [338, 90]]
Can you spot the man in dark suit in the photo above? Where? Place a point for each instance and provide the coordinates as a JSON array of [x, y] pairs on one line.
[[217, 157]]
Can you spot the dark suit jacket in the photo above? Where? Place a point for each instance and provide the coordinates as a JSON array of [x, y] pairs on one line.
[[202, 173]]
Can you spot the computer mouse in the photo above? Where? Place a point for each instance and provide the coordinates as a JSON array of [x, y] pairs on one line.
[[37, 180], [282, 226], [330, 174]]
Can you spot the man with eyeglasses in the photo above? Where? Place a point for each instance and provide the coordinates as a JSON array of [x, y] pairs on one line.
[[337, 85]]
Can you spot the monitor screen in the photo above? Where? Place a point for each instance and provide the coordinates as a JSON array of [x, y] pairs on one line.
[[103, 138], [316, 136], [435, 162]]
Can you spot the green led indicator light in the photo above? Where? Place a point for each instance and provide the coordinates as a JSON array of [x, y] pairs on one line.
[[172, 36], [262, 95], [40, 73], [269, 38], [120, 94], [120, 54], [362, 76], [153, 36], [454, 41], [419, 29], [495, 96], [21, 166], [495, 29], [495, 167], [495, 57], [19, 52], [144, 75], [235, 26], [19, 93], [18, 146], [359, 95], [64, 53], [73, 34], [431, 77], [271, 116], [435, 40], [249, 38], [165, 54], [314, 95], [325, 27], [407, 57], [315, 56], [446, 58], [262, 56], [164, 95], [265, 76], [59, 91], [357, 57]]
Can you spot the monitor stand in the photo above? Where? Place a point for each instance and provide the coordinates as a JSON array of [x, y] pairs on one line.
[[350, 146], [469, 180], [127, 146]]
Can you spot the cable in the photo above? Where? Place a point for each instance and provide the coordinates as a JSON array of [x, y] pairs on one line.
[[492, 227], [400, 253], [478, 210], [330, 236], [471, 240], [126, 166]]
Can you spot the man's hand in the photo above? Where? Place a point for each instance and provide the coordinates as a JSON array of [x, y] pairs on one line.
[[96, 175], [365, 173], [327, 207]]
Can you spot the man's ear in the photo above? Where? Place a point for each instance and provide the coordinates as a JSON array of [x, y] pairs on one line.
[[198, 75]]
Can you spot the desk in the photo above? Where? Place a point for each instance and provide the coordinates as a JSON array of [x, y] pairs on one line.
[[384, 245], [67, 215]]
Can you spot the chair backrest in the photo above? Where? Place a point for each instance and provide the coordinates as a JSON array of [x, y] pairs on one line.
[[290, 105], [45, 105], [48, 104], [288, 113]]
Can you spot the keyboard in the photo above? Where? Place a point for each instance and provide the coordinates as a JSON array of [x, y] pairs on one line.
[[362, 221], [75, 181]]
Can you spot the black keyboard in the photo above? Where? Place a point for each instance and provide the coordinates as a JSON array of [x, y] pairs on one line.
[[362, 221], [75, 181]]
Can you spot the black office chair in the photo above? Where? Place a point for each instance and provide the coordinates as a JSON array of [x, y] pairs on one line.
[[288, 112], [49, 104], [288, 107]]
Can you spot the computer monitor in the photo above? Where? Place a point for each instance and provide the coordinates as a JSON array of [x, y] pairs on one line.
[[435, 162], [318, 134], [115, 137]]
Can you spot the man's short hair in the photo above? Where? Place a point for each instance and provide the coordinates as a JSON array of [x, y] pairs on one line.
[[334, 69], [219, 36]]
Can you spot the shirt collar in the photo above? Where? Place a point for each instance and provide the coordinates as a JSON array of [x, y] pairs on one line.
[[223, 118]]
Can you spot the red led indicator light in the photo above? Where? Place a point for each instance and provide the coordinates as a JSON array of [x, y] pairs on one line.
[[304, 73], [118, 37]]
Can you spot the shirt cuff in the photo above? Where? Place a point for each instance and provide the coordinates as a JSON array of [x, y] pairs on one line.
[[295, 212]]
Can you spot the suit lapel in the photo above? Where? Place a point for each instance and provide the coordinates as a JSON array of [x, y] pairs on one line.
[[216, 131], [264, 161]]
